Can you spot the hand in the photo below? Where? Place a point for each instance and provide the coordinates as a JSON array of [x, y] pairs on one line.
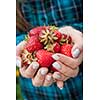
[[68, 67], [39, 76]]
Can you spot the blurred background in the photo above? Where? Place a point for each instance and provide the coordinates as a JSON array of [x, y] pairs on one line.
[[18, 89]]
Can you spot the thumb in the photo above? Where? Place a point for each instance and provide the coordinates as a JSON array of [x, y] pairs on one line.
[[60, 84], [18, 62], [76, 50], [20, 47]]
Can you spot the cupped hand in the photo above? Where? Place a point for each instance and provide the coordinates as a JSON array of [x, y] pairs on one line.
[[69, 67], [39, 76]]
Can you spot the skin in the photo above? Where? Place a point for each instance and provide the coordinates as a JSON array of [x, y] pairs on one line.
[[29, 71], [69, 66]]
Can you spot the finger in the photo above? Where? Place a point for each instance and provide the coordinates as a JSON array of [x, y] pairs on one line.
[[48, 80], [68, 30], [67, 71], [64, 59], [68, 61], [64, 29], [66, 78], [20, 47], [75, 51], [79, 59], [60, 84], [18, 62], [39, 78], [59, 76], [74, 33], [29, 71]]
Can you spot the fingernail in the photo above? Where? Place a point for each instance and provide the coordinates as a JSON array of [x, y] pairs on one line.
[[43, 72], [57, 76], [35, 65], [18, 63], [55, 57], [48, 77], [76, 53], [56, 65], [61, 88]]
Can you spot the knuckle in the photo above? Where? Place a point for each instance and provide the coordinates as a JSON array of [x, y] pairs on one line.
[[66, 78], [69, 73], [46, 85], [69, 27], [24, 74], [80, 33], [37, 84], [75, 64], [21, 72], [28, 75], [75, 73], [72, 72]]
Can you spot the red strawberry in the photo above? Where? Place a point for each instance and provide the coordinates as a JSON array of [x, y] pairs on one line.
[[64, 36], [66, 49], [56, 47], [44, 58], [58, 34], [36, 31], [33, 44]]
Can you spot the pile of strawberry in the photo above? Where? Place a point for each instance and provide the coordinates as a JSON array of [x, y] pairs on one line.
[[42, 43]]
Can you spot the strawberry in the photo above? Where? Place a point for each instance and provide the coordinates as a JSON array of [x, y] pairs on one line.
[[44, 58], [33, 44], [37, 30], [58, 34], [64, 36], [56, 47], [66, 49]]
